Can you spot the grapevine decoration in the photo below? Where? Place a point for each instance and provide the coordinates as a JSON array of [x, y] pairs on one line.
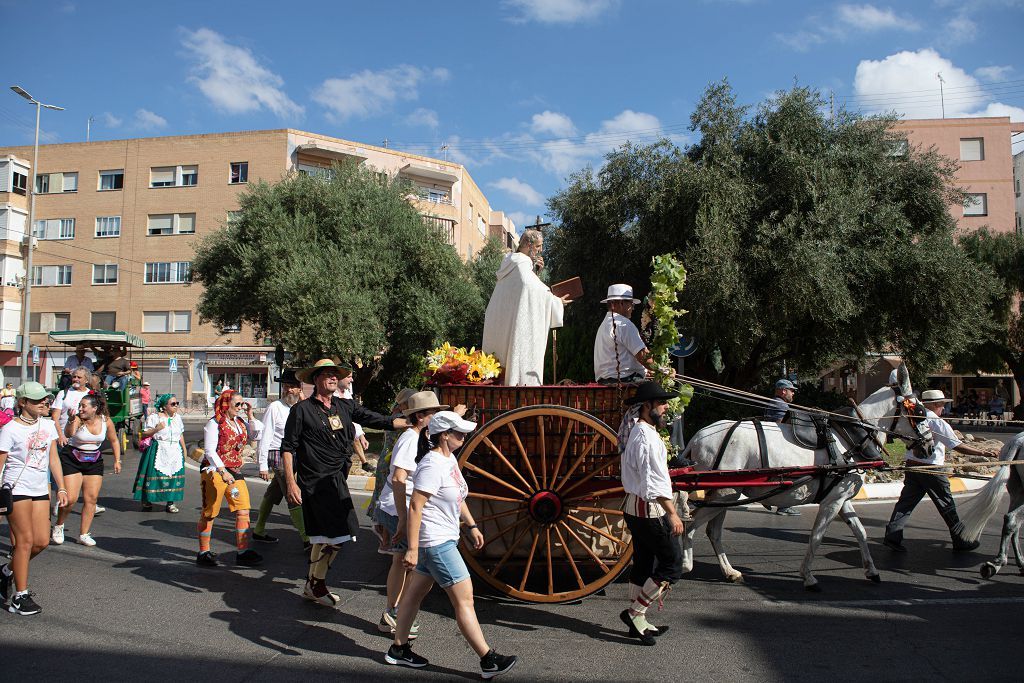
[[659, 322]]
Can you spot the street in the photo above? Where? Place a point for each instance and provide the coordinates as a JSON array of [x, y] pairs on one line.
[[137, 607]]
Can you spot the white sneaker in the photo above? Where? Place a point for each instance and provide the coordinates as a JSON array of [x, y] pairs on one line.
[[100, 510], [58, 534], [86, 539]]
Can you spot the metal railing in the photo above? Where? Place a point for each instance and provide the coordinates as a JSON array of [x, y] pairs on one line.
[[444, 228]]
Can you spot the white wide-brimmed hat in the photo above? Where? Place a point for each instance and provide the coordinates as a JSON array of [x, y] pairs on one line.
[[620, 293], [934, 396]]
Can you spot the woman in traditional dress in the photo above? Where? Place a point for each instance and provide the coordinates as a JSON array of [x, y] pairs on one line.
[[161, 475], [224, 437], [82, 462]]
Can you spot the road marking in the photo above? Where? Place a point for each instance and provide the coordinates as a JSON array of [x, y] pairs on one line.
[[909, 602]]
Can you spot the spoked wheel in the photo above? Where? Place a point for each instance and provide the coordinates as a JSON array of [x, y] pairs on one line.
[[545, 491]]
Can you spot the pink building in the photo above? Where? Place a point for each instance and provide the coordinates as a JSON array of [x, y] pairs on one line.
[[983, 148]]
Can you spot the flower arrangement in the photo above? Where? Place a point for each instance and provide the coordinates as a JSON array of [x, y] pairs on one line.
[[449, 364]]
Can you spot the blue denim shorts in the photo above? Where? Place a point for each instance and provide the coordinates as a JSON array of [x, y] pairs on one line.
[[390, 522], [443, 563]]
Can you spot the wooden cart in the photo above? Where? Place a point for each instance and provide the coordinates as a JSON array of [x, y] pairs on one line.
[[543, 474]]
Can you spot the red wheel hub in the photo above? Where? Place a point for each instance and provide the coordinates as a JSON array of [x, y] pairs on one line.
[[545, 507]]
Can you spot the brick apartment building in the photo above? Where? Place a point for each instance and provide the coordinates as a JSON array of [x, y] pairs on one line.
[[116, 223]]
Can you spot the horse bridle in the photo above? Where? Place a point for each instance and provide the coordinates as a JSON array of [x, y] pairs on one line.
[[905, 411]]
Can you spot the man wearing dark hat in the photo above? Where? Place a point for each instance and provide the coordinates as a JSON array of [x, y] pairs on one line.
[[318, 439], [784, 393], [620, 354], [935, 484], [269, 454], [649, 511]]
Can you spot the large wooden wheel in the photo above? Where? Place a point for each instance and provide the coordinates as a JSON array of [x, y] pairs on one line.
[[545, 491]]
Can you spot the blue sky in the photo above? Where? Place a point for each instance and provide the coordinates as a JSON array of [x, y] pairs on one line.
[[522, 91]]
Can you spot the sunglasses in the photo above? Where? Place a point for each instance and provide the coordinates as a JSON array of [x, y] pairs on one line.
[[173, 403], [239, 404]]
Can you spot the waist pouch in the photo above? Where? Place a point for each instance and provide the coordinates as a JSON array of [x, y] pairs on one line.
[[86, 456]]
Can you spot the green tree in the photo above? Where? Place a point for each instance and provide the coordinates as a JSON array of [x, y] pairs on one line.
[[340, 266], [806, 239], [484, 267]]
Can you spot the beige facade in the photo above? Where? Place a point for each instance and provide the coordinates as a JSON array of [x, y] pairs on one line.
[[983, 148], [116, 226]]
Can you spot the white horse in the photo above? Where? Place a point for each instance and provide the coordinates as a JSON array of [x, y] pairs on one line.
[[975, 512], [884, 408]]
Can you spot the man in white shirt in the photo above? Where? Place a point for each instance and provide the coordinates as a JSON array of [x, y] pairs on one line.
[[935, 484], [649, 511], [269, 453], [620, 355]]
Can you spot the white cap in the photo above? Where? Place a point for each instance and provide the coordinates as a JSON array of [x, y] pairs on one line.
[[447, 420], [620, 293]]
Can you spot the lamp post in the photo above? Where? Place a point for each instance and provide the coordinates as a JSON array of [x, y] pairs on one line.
[[27, 312]]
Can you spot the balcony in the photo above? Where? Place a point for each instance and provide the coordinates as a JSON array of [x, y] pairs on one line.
[[433, 196], [443, 228]]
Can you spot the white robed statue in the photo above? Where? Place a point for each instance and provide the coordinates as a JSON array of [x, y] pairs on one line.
[[521, 311]]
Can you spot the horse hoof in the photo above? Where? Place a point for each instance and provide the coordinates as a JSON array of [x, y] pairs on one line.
[[988, 570], [812, 588], [875, 578], [735, 578]]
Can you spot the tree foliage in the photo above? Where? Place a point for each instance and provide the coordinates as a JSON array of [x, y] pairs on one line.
[[806, 239], [340, 267]]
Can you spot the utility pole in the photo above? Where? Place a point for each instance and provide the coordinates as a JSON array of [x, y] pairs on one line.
[[942, 95], [444, 148], [386, 141], [88, 127]]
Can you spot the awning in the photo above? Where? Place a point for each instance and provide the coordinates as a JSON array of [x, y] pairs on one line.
[[423, 171], [323, 149], [97, 338]]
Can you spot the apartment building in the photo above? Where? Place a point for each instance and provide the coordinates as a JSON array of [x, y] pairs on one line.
[[117, 222], [1018, 198]]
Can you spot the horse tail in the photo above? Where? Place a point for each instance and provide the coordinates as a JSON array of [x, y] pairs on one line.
[[975, 512]]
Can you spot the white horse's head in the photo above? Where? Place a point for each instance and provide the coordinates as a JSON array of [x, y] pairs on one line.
[[895, 409]]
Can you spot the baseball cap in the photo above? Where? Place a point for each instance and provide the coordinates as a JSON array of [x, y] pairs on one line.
[[446, 420], [33, 391], [785, 384]]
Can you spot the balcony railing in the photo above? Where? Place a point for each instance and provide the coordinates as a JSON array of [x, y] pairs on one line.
[[444, 228], [434, 197]]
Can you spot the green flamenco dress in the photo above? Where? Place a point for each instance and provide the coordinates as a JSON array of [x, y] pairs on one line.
[[157, 481]]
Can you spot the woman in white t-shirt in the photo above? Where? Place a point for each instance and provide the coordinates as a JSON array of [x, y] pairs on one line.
[[437, 506], [65, 404], [28, 456]]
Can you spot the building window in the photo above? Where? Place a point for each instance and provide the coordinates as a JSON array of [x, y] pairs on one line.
[[112, 180], [105, 320], [234, 216], [49, 322], [172, 224], [898, 148], [54, 229], [108, 226], [56, 182], [168, 272], [972, 149], [51, 276], [166, 321], [173, 176], [19, 183], [976, 204], [104, 274], [228, 329], [239, 173], [481, 225]]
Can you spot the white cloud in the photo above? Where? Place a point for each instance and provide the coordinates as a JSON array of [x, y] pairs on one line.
[[520, 190], [901, 82], [423, 117], [147, 120], [552, 123], [369, 93], [959, 30], [993, 73], [233, 80], [871, 18], [523, 219], [111, 121], [801, 41], [558, 11], [563, 156]]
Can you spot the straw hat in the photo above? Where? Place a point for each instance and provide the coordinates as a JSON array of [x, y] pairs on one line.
[[934, 396], [307, 375], [620, 293], [422, 400]]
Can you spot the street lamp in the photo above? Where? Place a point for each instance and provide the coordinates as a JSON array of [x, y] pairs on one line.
[[25, 319]]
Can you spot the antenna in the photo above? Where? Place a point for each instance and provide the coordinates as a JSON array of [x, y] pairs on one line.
[[444, 148], [88, 127], [386, 141], [942, 96]]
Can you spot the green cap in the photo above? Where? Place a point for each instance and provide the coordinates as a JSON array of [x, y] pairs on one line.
[[34, 391]]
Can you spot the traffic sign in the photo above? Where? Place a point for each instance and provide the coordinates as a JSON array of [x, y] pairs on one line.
[[35, 355], [172, 364], [684, 348]]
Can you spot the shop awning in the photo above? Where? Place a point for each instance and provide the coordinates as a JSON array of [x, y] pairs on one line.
[[97, 338]]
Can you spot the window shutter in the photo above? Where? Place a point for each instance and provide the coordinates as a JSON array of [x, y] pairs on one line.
[[186, 222]]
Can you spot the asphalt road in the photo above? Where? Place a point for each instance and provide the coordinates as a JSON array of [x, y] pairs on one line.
[[137, 607]]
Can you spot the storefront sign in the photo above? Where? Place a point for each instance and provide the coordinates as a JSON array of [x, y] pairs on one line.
[[235, 359]]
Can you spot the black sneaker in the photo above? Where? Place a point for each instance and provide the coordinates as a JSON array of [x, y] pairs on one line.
[[248, 558], [207, 559], [24, 605], [5, 584], [893, 544], [644, 638], [657, 631], [492, 664], [404, 656], [264, 538], [965, 547]]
